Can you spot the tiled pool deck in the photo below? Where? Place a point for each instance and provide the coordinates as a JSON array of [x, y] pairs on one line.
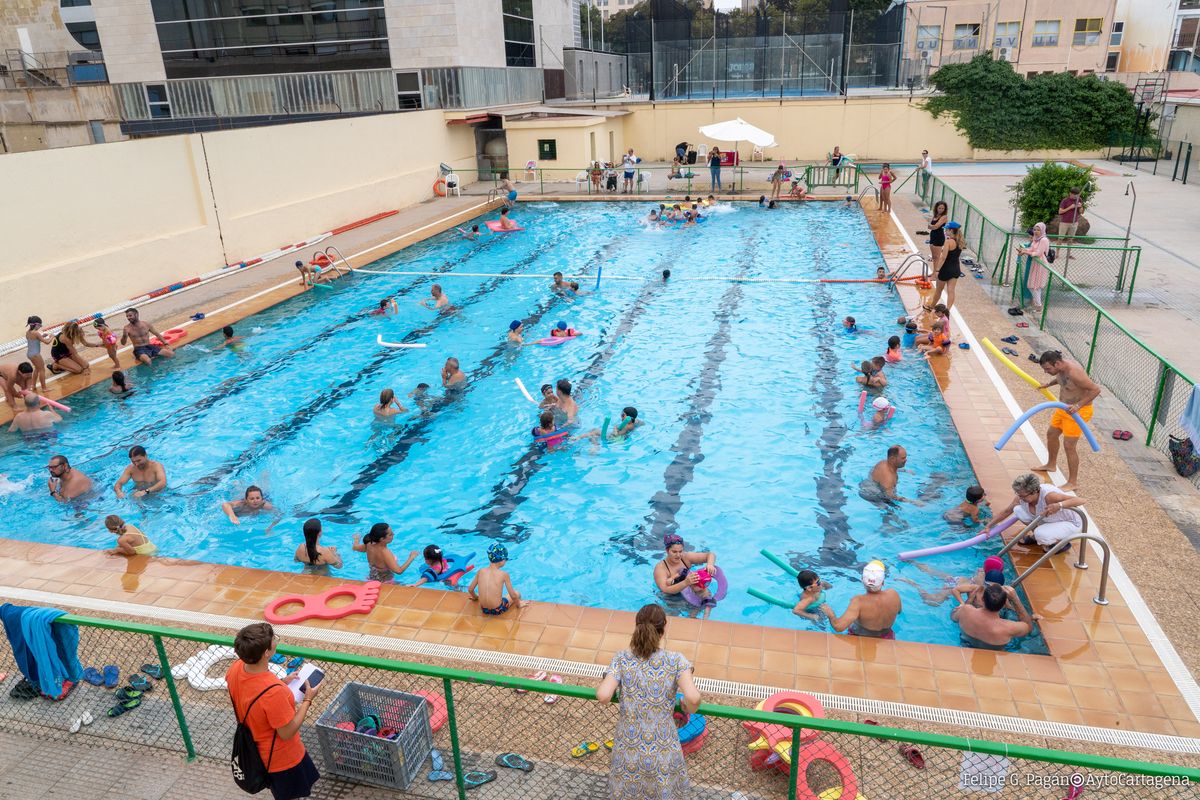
[[1103, 670]]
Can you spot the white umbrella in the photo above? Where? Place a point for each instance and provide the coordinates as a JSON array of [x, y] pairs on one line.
[[738, 130]]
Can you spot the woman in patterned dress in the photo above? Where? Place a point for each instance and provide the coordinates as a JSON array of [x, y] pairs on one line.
[[647, 762]]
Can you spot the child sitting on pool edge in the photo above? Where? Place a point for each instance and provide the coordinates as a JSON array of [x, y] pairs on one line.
[[971, 511], [490, 583], [130, 541], [812, 594]]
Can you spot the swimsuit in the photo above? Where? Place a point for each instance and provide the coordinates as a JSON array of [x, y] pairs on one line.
[[58, 349], [950, 269], [679, 578], [150, 350], [971, 641], [937, 236], [859, 630], [381, 574], [498, 610], [33, 347]]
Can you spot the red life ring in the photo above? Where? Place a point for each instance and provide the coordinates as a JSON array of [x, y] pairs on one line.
[[823, 751], [439, 187], [321, 260]]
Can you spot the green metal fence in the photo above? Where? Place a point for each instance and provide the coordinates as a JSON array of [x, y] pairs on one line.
[[744, 753]]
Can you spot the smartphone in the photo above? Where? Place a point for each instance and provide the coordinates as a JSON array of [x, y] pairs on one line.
[[314, 678], [307, 673]]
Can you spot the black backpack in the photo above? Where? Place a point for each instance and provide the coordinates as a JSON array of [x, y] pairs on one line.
[[249, 771], [1051, 255]]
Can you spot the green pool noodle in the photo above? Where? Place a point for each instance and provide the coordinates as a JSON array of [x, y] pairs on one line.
[[604, 428], [779, 562], [766, 598]]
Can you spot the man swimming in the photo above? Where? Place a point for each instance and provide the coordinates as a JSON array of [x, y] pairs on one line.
[[37, 417], [438, 299], [881, 484], [560, 286], [871, 614], [452, 376], [563, 400], [516, 330], [66, 483], [139, 333], [148, 476]]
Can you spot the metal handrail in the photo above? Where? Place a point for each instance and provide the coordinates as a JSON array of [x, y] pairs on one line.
[[907, 262], [1101, 598], [341, 257], [869, 189], [493, 194]]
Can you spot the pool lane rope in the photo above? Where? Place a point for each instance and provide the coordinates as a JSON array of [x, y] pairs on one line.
[[1083, 426], [536, 276], [1022, 374]]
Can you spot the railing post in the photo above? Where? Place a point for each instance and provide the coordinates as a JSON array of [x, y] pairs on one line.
[[1092, 349], [454, 746], [794, 771], [1046, 298], [165, 665], [541, 182], [1158, 396], [1137, 260]]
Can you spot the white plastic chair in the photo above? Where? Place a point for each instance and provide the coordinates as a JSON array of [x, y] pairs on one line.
[[643, 179], [452, 184], [582, 180], [530, 171], [758, 154]]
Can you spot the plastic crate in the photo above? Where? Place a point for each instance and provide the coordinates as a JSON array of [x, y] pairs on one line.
[[391, 763]]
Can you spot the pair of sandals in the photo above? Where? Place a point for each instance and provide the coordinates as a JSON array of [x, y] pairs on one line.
[[588, 747], [476, 778], [910, 752], [542, 675], [1123, 436]]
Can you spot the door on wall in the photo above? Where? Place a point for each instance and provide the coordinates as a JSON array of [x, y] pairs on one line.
[[491, 153], [612, 150], [592, 145]]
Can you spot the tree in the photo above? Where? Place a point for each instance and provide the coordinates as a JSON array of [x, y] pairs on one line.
[[1037, 195], [997, 109]]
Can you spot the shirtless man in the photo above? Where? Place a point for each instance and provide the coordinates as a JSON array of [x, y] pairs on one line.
[[563, 400], [36, 418], [887, 472], [139, 333], [438, 300], [984, 628], [16, 380], [1078, 391], [516, 330], [66, 483], [560, 286], [872, 614], [452, 376], [148, 476]]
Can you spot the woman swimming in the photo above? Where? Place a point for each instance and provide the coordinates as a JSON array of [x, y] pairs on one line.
[[382, 562], [317, 558]]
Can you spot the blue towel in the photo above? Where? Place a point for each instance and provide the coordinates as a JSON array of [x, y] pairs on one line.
[[47, 654], [1191, 417]]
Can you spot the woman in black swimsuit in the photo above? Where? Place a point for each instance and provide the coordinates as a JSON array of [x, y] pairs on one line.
[[673, 574], [948, 270], [937, 234]]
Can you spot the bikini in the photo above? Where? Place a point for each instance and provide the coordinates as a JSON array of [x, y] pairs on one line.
[[680, 577]]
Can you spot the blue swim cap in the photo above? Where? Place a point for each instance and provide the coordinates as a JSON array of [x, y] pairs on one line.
[[562, 326], [516, 323], [497, 553]]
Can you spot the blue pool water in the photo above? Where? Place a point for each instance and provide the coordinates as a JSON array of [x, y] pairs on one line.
[[751, 441]]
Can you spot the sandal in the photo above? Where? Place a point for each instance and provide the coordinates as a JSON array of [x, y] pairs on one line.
[[584, 749], [127, 693], [913, 755], [608, 744], [153, 670], [1022, 324], [964, 346], [79, 722], [514, 761], [1126, 435], [93, 676], [23, 691], [475, 778], [540, 675], [112, 676], [141, 683], [1010, 339], [552, 698], [1033, 358], [122, 707], [1009, 351]]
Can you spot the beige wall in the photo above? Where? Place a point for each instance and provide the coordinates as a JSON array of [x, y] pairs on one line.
[[871, 128], [1186, 127], [88, 227], [40, 19], [1149, 26], [573, 143], [129, 40]]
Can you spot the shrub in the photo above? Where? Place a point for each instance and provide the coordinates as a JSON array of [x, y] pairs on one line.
[[1037, 195]]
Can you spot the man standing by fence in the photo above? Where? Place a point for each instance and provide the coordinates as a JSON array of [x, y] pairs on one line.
[[926, 169], [1078, 391], [1069, 212]]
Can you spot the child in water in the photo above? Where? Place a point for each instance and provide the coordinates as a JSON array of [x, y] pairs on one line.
[[849, 325], [894, 353], [704, 580], [971, 511], [562, 331], [549, 400], [130, 541], [232, 341], [812, 595], [120, 385]]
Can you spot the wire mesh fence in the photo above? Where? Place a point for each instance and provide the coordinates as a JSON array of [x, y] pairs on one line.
[[435, 732]]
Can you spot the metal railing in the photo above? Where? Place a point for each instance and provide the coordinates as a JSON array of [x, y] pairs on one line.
[[559, 729], [1083, 537]]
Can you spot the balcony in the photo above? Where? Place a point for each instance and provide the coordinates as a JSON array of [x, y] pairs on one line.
[[51, 70]]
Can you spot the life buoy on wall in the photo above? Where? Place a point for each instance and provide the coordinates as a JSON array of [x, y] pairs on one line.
[[439, 187]]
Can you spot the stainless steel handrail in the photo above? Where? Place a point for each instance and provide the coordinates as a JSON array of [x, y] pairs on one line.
[[904, 265], [869, 189], [341, 257], [1083, 537]]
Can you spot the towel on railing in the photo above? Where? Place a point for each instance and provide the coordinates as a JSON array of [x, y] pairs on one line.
[[1190, 420], [45, 653]]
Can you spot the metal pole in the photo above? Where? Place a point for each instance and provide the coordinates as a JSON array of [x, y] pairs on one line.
[[165, 665], [589, 16], [794, 771], [454, 746]]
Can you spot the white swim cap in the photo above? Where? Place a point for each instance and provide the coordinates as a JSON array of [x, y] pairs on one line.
[[873, 574], [881, 403]]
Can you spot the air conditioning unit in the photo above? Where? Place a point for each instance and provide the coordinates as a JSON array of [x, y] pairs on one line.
[[924, 55], [1004, 54]]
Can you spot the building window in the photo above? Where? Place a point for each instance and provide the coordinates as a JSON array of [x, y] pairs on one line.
[[1118, 33], [236, 37], [158, 101], [73, 3], [1007, 34], [96, 129], [1045, 33], [85, 33], [408, 90], [518, 33], [1087, 32], [1113, 61], [966, 37], [929, 37], [547, 149]]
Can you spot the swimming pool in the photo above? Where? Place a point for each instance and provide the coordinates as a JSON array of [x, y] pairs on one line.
[[751, 440]]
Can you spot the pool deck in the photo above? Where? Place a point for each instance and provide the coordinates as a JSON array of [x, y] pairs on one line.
[[1104, 670]]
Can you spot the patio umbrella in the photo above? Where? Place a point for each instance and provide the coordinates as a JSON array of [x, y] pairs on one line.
[[738, 130]]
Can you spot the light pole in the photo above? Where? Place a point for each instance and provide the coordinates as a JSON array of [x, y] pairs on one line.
[[1129, 188]]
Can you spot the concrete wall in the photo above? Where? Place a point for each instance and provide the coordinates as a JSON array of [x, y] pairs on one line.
[[42, 23], [88, 227], [869, 127], [35, 119], [1149, 27], [129, 41], [574, 143]]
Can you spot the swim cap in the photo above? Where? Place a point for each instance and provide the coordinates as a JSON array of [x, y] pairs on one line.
[[993, 562], [873, 574], [497, 553], [299, 263], [953, 225], [672, 539], [881, 403], [994, 576], [516, 323], [562, 326]]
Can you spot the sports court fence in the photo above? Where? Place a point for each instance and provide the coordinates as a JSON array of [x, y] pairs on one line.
[[544, 740]]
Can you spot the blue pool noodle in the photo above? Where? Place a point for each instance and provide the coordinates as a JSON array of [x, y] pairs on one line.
[[1087, 432]]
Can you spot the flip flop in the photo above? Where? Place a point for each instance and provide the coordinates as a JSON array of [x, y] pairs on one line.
[[1009, 351], [514, 761], [122, 707], [584, 749], [440, 775], [112, 676], [475, 778], [1010, 339], [913, 755], [93, 676], [279, 658], [1076, 790], [1033, 358], [295, 663], [540, 675], [1022, 324], [435, 760], [23, 691], [86, 719], [141, 683], [964, 345], [1116, 434], [125, 693], [153, 670], [608, 744], [552, 698], [1126, 435]]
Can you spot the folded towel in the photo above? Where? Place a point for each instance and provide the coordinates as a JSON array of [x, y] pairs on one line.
[[1191, 417]]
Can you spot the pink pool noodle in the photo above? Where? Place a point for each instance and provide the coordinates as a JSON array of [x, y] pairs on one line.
[[949, 548]]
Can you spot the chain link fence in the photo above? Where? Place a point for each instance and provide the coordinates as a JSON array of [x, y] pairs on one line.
[[466, 734]]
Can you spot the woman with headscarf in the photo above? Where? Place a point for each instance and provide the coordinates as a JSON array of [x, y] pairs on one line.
[[1035, 275]]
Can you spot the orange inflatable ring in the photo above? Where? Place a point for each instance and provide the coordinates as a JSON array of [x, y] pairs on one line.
[[172, 336], [439, 187], [437, 709], [823, 751], [316, 606], [321, 260]]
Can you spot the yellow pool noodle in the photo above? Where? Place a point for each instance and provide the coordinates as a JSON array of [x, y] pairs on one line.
[[1025, 376]]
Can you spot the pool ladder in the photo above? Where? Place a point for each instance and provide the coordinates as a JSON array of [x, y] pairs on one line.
[[869, 188], [1083, 537], [907, 262], [330, 252]]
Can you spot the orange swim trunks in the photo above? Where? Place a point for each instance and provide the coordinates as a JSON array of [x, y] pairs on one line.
[[1066, 423]]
